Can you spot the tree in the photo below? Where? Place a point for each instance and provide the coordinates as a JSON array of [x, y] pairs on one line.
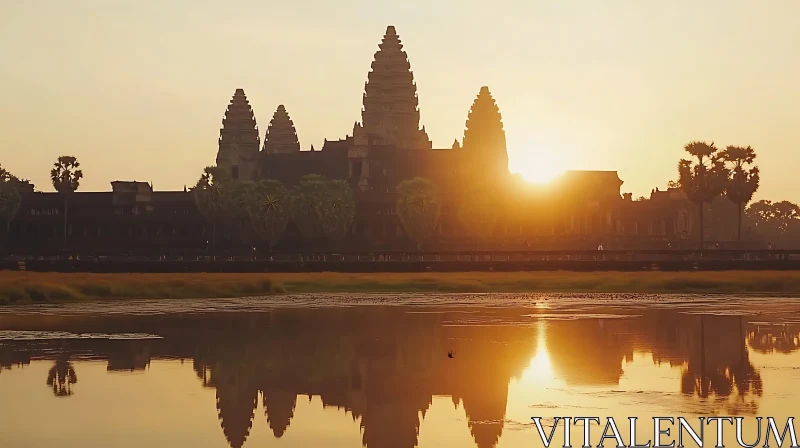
[[775, 222], [742, 182], [785, 215], [323, 208], [338, 210], [307, 202], [62, 376], [702, 179], [478, 211], [9, 197], [419, 208], [212, 198], [269, 208], [66, 178], [236, 199]]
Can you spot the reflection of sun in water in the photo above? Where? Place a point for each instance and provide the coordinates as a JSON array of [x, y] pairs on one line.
[[538, 167], [539, 370]]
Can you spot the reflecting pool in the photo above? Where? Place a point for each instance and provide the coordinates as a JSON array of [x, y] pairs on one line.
[[386, 371]]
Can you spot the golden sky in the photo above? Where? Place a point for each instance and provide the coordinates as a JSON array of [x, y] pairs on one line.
[[137, 89]]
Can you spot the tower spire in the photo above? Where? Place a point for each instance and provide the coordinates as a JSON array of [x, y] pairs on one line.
[[484, 137], [238, 138], [281, 135], [390, 114]]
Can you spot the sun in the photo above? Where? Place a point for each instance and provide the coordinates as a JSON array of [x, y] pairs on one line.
[[538, 167]]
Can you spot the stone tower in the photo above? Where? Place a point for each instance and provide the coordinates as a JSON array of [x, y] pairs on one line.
[[391, 115], [484, 138], [281, 135], [238, 139]]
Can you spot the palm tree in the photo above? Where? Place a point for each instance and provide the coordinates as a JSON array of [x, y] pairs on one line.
[[269, 208], [236, 199], [212, 198], [66, 178], [742, 183], [338, 210], [419, 208], [61, 377], [702, 179], [308, 198], [323, 208], [9, 198]]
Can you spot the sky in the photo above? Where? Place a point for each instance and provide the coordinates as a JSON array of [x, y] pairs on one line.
[[137, 89]]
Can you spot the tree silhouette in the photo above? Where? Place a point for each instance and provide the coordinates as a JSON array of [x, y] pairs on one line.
[[774, 339], [212, 198], [775, 221], [742, 182], [702, 179], [61, 377], [9, 198], [419, 208], [269, 208], [237, 201], [338, 211], [785, 214], [761, 213], [323, 208], [307, 199], [66, 178]]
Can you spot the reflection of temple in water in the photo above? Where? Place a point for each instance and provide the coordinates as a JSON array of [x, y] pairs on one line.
[[384, 365], [588, 352], [765, 338]]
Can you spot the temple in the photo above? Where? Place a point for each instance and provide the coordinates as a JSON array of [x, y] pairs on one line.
[[383, 367], [579, 210], [238, 139], [484, 137], [281, 135], [391, 113]]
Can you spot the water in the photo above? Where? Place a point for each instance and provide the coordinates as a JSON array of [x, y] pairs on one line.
[[374, 371]]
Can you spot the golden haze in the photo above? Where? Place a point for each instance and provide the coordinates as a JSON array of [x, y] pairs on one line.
[[135, 89]]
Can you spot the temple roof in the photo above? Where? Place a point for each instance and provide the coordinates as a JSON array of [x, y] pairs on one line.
[[239, 124], [484, 127], [390, 113], [279, 408], [281, 135], [239, 114]]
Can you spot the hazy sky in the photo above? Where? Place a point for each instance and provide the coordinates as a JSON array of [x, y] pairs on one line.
[[137, 89]]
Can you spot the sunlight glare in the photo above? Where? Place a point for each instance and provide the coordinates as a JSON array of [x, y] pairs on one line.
[[538, 167], [540, 370]]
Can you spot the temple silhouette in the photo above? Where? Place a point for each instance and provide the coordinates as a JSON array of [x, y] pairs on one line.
[[384, 365], [388, 145]]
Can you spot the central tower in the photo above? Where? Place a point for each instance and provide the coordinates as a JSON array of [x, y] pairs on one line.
[[238, 139], [391, 114]]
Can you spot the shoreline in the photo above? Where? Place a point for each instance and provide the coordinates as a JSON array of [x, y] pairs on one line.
[[34, 287]]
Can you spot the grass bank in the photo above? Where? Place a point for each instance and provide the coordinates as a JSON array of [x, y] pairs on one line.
[[35, 287], [32, 287]]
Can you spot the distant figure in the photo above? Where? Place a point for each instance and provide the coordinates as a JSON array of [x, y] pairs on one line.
[[600, 247], [451, 354], [769, 246]]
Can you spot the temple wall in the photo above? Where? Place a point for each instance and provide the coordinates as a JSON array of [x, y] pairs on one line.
[[169, 222]]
